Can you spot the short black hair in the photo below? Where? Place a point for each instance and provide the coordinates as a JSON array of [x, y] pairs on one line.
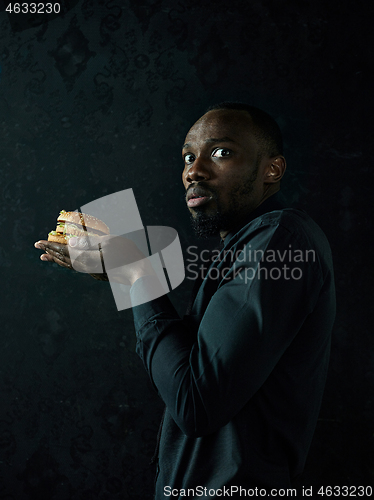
[[266, 131]]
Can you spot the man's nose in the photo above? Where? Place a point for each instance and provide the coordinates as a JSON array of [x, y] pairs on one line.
[[198, 171]]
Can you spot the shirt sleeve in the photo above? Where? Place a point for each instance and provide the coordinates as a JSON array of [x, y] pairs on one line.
[[207, 368]]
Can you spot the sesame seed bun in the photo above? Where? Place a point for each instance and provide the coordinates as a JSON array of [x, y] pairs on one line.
[[84, 220], [71, 224]]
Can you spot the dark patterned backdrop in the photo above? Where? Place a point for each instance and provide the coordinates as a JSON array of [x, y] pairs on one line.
[[99, 99]]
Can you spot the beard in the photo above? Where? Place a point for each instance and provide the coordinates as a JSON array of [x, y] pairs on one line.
[[205, 226], [208, 225]]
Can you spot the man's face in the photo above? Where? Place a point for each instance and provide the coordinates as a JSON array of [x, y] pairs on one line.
[[222, 171]]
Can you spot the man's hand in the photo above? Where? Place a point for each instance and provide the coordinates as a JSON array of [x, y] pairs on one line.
[[90, 255], [59, 253], [55, 252]]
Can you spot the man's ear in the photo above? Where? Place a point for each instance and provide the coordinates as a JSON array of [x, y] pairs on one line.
[[274, 170]]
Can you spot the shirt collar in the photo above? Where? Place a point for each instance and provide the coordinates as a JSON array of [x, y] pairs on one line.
[[269, 205]]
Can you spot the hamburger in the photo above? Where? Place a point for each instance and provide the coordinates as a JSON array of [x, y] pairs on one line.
[[77, 224]]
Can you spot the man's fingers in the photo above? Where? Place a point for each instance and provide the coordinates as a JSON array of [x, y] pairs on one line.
[[79, 243], [55, 252], [85, 242], [57, 255], [86, 261], [62, 263], [78, 254], [47, 258], [56, 247]]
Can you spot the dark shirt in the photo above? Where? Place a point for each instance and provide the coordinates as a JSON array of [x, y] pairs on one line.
[[242, 376]]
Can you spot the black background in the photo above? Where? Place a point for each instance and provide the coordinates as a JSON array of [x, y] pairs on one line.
[[99, 99]]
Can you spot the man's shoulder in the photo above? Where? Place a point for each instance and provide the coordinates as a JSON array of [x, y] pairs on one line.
[[295, 221], [289, 228]]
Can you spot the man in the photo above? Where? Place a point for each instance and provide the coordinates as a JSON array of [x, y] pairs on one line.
[[242, 375]]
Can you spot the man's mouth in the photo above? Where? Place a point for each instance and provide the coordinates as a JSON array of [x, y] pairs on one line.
[[198, 201], [197, 196]]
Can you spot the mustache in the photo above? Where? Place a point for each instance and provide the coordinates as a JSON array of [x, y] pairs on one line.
[[200, 189]]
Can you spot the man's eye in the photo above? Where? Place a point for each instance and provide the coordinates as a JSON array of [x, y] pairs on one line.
[[221, 152], [188, 159]]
